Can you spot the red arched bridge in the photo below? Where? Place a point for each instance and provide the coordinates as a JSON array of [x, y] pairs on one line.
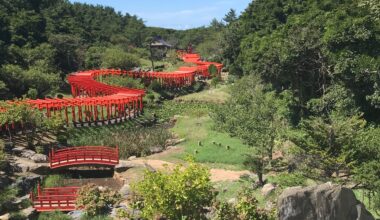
[[57, 198], [84, 155], [95, 102], [63, 198]]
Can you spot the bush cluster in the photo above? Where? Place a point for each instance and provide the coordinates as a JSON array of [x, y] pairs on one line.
[[95, 200]]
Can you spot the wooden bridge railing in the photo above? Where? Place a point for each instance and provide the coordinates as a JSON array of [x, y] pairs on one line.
[[51, 199], [85, 155]]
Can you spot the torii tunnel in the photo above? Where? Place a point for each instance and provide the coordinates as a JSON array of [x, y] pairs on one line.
[[94, 101]]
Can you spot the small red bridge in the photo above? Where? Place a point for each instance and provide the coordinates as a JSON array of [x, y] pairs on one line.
[[86, 155], [51, 199]]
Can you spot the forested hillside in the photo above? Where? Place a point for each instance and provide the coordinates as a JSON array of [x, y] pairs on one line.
[[310, 79], [314, 48], [41, 41]]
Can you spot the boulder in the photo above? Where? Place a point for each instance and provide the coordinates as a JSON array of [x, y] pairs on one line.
[[132, 157], [128, 211], [27, 153], [326, 201], [8, 146], [18, 150], [268, 189], [26, 184], [156, 150], [125, 165], [232, 201], [75, 215], [23, 165], [173, 142], [29, 213], [4, 180], [5, 216], [20, 167], [18, 201], [125, 191], [39, 158]]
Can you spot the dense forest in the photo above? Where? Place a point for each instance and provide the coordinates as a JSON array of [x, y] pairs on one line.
[[310, 76], [41, 41]]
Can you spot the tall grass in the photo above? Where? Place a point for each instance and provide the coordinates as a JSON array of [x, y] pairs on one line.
[[131, 140]]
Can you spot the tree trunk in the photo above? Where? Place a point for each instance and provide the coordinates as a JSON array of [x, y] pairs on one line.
[[260, 178]]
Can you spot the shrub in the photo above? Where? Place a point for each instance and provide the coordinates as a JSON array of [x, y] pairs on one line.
[[225, 211], [53, 215], [32, 93], [155, 86], [288, 179], [40, 149], [123, 82], [198, 86], [2, 155], [6, 195], [53, 180], [215, 81], [180, 193], [117, 58], [98, 217], [95, 200], [17, 216], [150, 96], [246, 208], [132, 141], [213, 70]]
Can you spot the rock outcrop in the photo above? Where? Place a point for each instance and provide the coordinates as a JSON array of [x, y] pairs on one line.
[[126, 165], [268, 189], [26, 184], [326, 201]]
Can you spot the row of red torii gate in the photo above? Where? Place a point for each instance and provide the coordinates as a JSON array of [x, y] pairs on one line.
[[94, 101]]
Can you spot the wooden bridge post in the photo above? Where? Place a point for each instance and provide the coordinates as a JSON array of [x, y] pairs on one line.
[[117, 153], [38, 189]]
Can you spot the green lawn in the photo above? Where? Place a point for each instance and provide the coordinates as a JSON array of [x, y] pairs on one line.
[[216, 149], [214, 95]]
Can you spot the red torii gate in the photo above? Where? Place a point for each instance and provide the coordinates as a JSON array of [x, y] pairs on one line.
[[94, 101]]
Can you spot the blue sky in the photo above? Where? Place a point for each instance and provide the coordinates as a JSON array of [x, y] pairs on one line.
[[177, 14]]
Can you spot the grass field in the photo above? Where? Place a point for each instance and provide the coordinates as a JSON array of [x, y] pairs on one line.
[[216, 149], [215, 95], [213, 148]]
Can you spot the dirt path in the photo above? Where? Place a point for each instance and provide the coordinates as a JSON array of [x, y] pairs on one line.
[[216, 174]]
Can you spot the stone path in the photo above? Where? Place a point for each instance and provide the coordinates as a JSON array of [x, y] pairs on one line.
[[216, 174]]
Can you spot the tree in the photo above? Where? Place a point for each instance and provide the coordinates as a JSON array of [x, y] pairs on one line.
[[366, 164], [257, 116], [230, 45], [117, 58], [93, 57], [230, 16], [326, 143], [216, 25], [373, 6], [181, 193], [67, 47]]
